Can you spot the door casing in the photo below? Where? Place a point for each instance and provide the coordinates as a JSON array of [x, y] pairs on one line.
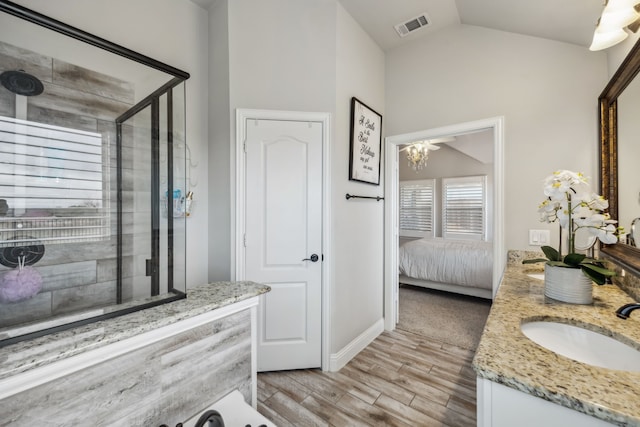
[[238, 249]]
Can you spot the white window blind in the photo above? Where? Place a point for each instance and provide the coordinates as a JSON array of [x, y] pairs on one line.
[[417, 208], [464, 208], [55, 184]]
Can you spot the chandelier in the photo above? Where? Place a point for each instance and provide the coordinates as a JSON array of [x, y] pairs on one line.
[[418, 153]]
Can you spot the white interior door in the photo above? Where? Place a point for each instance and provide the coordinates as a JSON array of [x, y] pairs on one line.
[[283, 241]]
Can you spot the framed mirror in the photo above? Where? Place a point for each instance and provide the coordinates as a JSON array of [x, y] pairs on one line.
[[619, 153]]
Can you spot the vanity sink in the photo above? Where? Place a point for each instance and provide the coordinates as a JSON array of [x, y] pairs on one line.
[[583, 345]]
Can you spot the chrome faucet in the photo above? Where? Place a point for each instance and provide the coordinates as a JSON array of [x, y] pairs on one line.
[[624, 311]]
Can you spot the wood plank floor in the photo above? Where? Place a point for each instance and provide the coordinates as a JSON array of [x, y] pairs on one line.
[[401, 379]]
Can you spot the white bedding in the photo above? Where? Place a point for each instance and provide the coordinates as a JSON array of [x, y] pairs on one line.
[[460, 262]]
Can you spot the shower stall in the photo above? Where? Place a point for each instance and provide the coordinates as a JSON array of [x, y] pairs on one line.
[[94, 193]]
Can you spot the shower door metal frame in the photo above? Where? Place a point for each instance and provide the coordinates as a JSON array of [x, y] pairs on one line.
[[153, 270]]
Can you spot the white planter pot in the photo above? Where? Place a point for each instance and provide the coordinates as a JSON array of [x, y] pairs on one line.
[[567, 285]]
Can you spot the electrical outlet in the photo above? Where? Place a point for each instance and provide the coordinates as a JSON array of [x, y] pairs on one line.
[[539, 237]]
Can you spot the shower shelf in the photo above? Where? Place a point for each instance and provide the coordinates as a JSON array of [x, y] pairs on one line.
[[33, 230]]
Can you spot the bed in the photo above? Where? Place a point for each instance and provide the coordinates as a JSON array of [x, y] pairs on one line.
[[460, 266]]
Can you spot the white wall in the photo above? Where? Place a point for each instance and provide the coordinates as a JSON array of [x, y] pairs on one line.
[[159, 35], [220, 145], [547, 91], [358, 224], [312, 56], [282, 54], [281, 57], [617, 53]]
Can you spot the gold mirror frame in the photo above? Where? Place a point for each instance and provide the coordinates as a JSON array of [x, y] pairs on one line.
[[625, 255]]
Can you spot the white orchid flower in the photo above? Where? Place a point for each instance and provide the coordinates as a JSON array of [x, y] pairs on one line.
[[556, 189], [563, 217], [598, 202], [606, 234], [571, 202], [564, 184]]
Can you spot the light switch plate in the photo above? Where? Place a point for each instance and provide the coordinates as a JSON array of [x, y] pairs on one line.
[[539, 237]]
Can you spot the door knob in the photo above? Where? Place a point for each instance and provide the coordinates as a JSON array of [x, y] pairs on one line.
[[312, 258]]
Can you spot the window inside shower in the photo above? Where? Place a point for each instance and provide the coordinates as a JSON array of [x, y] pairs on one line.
[[93, 178]]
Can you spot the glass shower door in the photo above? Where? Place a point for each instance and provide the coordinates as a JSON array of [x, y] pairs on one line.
[[151, 201]]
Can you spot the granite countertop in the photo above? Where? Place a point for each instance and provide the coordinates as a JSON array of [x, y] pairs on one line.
[[26, 355], [506, 356]]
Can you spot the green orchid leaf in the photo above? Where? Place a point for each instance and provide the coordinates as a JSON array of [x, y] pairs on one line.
[[560, 264], [551, 253], [597, 277], [574, 259], [598, 269], [533, 261], [595, 262]]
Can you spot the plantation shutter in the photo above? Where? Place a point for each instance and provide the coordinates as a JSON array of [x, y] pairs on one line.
[[464, 208], [417, 208]]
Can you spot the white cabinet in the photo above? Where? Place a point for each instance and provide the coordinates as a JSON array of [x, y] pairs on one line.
[[502, 406]]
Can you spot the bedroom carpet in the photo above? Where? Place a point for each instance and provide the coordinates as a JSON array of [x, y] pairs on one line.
[[442, 316]]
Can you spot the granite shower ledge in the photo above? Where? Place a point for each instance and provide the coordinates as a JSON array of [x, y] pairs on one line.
[[27, 355], [506, 356]]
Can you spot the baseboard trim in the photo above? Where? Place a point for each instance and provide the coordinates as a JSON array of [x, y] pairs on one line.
[[338, 360]]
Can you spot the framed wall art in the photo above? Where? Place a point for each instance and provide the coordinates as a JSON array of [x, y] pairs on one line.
[[366, 143]]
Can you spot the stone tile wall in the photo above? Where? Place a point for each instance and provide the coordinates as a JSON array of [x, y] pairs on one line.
[[79, 276]]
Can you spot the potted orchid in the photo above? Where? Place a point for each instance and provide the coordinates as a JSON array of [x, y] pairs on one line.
[[570, 202]]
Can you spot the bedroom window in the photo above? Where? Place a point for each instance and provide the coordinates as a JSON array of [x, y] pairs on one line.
[[464, 208], [417, 208]]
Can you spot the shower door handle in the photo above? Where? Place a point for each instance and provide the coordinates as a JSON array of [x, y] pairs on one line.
[[312, 258], [150, 267]]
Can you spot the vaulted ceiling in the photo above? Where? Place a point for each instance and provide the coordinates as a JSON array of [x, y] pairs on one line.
[[570, 21]]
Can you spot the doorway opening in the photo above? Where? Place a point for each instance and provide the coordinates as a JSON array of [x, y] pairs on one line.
[[392, 235]]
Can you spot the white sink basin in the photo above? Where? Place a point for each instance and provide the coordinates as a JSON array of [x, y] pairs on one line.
[[583, 345]]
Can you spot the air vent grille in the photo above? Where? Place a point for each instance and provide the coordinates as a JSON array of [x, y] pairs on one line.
[[413, 24]]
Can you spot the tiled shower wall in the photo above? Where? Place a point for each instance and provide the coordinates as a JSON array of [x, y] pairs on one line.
[[76, 276]]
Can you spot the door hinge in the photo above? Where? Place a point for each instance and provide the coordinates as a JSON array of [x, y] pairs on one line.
[[244, 240]]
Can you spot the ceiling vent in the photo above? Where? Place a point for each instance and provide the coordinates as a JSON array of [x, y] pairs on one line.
[[412, 25]]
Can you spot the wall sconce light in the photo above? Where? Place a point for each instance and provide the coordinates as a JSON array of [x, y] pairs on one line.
[[616, 16]]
